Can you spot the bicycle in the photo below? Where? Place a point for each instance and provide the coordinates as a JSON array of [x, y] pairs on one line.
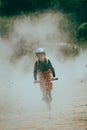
[[47, 95]]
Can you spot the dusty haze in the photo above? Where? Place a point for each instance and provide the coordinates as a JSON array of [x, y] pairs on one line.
[[18, 94]]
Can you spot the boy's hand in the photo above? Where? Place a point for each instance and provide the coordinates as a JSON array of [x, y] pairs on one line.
[[54, 78]]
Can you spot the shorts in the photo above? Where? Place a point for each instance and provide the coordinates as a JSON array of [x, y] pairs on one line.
[[46, 80]]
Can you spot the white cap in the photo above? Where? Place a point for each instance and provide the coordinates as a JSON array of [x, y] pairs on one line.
[[40, 50]]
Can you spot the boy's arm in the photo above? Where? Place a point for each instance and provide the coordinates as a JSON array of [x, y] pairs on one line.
[[35, 71], [52, 68]]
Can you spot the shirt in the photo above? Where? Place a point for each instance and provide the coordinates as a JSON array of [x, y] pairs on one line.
[[43, 66]]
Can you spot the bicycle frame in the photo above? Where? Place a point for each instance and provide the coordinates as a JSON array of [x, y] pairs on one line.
[[46, 92]]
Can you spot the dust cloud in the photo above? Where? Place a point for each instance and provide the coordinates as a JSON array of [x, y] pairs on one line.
[[17, 57]]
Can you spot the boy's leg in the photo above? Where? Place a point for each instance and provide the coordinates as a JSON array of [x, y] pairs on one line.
[[42, 82], [49, 80], [48, 77], [43, 86]]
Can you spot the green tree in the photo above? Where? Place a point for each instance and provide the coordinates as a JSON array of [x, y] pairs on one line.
[[18, 6], [78, 7], [82, 32]]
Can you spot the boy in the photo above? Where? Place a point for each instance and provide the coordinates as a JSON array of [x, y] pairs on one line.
[[44, 69]]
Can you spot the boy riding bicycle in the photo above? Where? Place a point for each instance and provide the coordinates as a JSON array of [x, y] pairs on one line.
[[45, 71]]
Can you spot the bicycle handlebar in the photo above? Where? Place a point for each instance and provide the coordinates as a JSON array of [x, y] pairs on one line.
[[48, 81]]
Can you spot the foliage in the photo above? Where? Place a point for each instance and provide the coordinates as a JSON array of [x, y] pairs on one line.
[[5, 27], [70, 50], [75, 9], [82, 32], [12, 7]]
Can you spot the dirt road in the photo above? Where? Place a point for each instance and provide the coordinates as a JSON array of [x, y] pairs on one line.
[[66, 116]]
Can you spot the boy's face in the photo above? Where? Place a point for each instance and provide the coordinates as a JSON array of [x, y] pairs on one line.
[[41, 57]]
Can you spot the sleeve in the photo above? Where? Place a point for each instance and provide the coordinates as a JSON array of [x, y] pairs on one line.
[[52, 68], [35, 71]]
